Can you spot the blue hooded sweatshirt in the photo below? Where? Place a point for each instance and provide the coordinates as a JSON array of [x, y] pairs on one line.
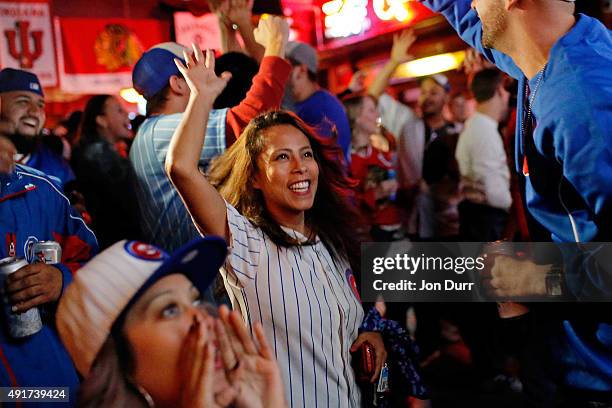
[[568, 174]]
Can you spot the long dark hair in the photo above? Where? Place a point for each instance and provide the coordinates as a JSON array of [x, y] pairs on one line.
[[332, 217], [108, 382], [88, 131]]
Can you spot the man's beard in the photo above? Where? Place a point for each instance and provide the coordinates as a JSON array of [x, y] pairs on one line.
[[24, 144], [495, 27], [432, 111]]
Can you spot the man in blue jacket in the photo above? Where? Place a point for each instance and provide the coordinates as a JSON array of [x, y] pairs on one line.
[[32, 209], [22, 118], [564, 152]]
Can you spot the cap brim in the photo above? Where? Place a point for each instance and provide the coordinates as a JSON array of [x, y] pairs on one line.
[[445, 85], [199, 260]]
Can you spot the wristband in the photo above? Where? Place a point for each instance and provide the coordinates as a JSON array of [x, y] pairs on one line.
[[554, 281]]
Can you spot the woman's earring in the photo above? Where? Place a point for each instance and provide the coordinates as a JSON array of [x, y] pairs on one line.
[[144, 393]]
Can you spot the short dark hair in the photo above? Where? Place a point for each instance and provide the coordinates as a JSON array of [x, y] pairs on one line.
[[312, 76], [485, 84], [156, 102], [243, 68]]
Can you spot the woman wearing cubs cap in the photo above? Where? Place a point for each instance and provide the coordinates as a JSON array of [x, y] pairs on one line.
[[137, 330]]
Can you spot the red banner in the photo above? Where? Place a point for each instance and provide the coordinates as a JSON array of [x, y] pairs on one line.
[[202, 30], [97, 55], [26, 39]]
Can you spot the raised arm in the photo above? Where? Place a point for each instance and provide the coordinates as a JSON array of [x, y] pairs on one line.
[[268, 86], [399, 54], [465, 21], [240, 15], [229, 41], [204, 203]]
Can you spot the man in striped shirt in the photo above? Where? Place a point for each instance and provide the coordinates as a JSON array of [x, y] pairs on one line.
[[165, 220]]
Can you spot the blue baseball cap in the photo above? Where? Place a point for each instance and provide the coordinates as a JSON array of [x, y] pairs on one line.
[[199, 260], [155, 67], [19, 80]]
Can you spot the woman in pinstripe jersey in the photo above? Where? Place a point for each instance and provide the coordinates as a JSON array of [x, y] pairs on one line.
[[282, 206]]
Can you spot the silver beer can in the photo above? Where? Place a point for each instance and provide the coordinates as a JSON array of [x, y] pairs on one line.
[[49, 252], [19, 324]]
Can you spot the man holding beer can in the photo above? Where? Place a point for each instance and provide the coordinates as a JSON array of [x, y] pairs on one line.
[[36, 218]]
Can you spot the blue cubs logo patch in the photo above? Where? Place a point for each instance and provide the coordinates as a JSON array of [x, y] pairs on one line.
[[144, 251], [353, 284]]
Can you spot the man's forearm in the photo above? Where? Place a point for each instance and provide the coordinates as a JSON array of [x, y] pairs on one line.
[[265, 94], [251, 46], [381, 81], [229, 42]]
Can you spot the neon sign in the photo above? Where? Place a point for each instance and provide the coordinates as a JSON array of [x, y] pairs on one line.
[[393, 9], [344, 18]]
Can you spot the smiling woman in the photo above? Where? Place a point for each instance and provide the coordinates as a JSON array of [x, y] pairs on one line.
[[282, 205], [104, 176], [281, 174]]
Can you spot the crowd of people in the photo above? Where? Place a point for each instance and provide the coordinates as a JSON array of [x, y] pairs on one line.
[[262, 185]]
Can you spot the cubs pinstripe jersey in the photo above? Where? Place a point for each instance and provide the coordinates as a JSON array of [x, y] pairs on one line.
[[307, 302], [164, 218]]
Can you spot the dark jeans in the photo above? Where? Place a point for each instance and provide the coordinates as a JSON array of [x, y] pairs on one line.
[[481, 223]]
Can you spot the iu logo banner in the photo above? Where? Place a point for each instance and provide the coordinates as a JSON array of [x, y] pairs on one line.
[[97, 55], [26, 40]]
